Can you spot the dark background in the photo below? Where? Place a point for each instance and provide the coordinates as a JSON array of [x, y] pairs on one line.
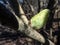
[[9, 36]]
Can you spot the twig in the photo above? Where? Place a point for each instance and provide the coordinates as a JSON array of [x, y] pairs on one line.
[[24, 18], [46, 32], [31, 6], [51, 43], [51, 34]]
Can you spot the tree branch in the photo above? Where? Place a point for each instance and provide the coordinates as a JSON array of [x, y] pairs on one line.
[[23, 17]]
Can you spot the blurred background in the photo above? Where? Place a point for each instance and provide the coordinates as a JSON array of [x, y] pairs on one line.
[[9, 36]]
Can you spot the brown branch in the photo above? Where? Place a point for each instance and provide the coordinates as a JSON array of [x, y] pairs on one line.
[[31, 6], [51, 34], [50, 42]]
